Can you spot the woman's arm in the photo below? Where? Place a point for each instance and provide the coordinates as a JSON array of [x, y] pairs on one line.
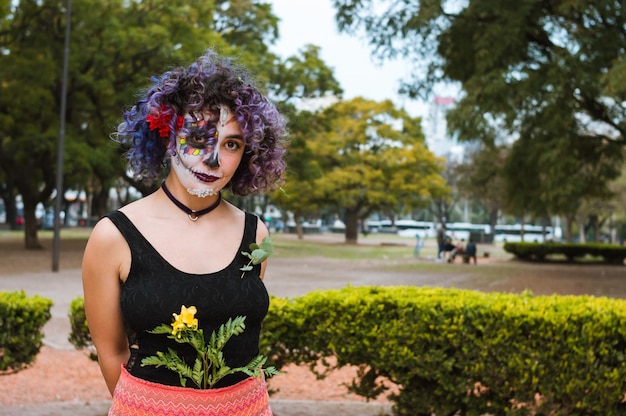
[[261, 233], [106, 259]]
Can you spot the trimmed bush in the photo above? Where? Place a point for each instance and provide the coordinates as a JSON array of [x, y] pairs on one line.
[[462, 351], [610, 253], [21, 322], [79, 336], [456, 351]]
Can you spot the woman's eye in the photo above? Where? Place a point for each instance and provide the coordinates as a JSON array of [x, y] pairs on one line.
[[232, 145], [197, 138]]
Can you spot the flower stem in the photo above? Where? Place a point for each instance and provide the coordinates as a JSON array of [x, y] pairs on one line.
[[205, 358]]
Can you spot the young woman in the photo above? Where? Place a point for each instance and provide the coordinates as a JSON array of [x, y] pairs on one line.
[[210, 129]]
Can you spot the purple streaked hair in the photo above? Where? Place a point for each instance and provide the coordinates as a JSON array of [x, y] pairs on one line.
[[206, 84]]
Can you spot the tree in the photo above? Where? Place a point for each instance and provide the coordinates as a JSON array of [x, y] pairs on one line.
[[506, 55], [7, 193], [615, 209], [302, 78], [115, 47], [515, 62], [556, 175], [481, 179], [373, 159], [297, 194]]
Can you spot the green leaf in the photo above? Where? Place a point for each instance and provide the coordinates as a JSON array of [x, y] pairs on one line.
[[197, 374], [271, 371], [267, 246], [259, 253], [197, 341], [162, 329]]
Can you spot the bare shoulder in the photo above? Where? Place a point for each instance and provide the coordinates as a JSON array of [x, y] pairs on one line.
[[105, 233], [106, 249], [261, 230]]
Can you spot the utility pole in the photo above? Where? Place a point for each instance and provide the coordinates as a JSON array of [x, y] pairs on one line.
[[61, 146]]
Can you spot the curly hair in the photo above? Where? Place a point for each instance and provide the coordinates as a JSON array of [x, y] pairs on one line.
[[149, 128]]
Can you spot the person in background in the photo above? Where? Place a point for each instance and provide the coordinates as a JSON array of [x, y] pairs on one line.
[[441, 240], [470, 250], [209, 129], [449, 250], [419, 245], [460, 247]]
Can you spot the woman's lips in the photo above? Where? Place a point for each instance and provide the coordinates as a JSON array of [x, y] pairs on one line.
[[203, 177]]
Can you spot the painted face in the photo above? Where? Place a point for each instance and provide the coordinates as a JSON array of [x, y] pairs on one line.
[[209, 148]]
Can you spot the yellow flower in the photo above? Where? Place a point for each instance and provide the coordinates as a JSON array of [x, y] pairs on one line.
[[177, 327], [184, 320]]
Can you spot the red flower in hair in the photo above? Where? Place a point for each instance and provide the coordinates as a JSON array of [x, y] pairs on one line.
[[161, 121]]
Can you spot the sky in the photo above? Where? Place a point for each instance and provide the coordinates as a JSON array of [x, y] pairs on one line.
[[312, 22]]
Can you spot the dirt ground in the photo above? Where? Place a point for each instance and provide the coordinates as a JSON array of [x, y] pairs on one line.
[[63, 376]]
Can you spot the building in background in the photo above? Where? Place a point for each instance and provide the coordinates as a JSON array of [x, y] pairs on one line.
[[438, 139]]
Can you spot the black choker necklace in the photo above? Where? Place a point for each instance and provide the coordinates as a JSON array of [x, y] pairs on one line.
[[192, 214]]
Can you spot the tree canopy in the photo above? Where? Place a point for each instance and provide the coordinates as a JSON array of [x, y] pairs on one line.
[[511, 59], [550, 73], [372, 158]]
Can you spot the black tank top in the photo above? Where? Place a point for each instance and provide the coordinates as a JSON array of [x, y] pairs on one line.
[[154, 290]]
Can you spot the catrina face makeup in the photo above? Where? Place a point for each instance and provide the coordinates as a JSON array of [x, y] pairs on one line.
[[209, 148]]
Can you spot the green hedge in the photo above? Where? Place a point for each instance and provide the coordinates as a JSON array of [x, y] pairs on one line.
[[21, 321], [458, 351], [464, 351], [79, 336], [610, 253]]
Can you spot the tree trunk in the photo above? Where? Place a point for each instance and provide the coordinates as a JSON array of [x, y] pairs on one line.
[[9, 208], [352, 226], [99, 203], [299, 231], [569, 223], [31, 239], [593, 225], [7, 193], [493, 220]]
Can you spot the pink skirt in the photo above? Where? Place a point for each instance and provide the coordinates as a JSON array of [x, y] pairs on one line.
[[134, 396]]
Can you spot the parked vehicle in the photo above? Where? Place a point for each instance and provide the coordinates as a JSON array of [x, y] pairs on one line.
[[512, 233], [465, 230]]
